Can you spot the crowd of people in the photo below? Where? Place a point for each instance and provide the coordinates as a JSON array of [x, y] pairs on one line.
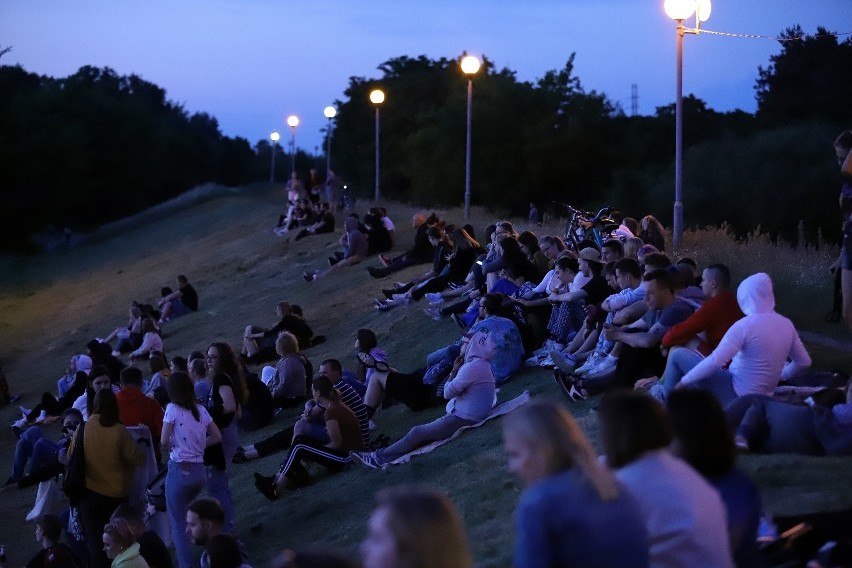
[[687, 363]]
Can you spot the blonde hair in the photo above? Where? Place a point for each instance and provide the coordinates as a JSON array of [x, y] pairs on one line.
[[427, 528], [632, 246], [555, 433], [286, 343]]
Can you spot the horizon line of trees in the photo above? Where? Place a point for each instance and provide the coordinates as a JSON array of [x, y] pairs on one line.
[[95, 146]]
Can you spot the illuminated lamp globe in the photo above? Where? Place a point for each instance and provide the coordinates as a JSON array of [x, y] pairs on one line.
[[292, 121], [275, 137], [377, 96], [703, 10], [679, 9], [329, 112], [470, 64]]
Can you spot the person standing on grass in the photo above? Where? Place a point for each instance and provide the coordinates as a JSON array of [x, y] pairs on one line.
[[843, 151], [556, 464]]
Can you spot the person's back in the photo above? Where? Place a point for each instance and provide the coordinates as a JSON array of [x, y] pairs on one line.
[[684, 515], [588, 532]]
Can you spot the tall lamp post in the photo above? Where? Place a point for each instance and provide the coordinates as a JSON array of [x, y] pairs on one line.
[[275, 137], [292, 122], [330, 112], [679, 10], [377, 97], [470, 65]]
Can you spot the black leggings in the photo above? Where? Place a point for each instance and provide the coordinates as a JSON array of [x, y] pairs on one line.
[[308, 449]]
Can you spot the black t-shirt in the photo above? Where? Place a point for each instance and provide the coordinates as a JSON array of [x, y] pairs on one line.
[[189, 297], [295, 325], [215, 404], [597, 290], [57, 556]]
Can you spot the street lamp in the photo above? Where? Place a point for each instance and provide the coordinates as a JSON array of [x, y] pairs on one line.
[[292, 122], [377, 97], [330, 112], [470, 66], [679, 10], [275, 137]]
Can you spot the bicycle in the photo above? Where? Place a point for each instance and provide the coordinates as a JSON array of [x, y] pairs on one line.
[[588, 226]]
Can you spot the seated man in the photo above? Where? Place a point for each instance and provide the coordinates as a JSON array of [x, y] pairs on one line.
[[640, 341], [324, 225], [422, 252], [181, 302], [758, 346], [355, 251], [42, 453], [471, 392]]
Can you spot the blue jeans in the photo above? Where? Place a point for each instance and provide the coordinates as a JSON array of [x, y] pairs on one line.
[[720, 384], [680, 361], [184, 482], [772, 426], [217, 480], [33, 446]]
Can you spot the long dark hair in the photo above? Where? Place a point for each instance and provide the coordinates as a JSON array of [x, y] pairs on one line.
[[229, 365], [182, 393], [106, 407]]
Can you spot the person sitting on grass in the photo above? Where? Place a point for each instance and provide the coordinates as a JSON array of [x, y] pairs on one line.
[[421, 252], [259, 342], [344, 436], [471, 392], [311, 423], [178, 303], [354, 251], [324, 225], [289, 386], [151, 341], [130, 336], [42, 453]]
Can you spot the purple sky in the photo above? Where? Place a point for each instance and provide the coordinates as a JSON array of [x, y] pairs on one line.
[[250, 63]]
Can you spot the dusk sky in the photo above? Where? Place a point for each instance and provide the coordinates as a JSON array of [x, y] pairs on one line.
[[250, 63]]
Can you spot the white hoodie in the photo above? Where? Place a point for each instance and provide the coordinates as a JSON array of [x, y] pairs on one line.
[[471, 391], [759, 344]]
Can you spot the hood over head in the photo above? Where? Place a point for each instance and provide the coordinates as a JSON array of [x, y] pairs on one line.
[[480, 346], [755, 295], [351, 224]]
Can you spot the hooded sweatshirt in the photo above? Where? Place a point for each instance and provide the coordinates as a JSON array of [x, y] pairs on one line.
[[758, 345], [471, 392], [356, 240]]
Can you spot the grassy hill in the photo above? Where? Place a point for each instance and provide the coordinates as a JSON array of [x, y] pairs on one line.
[[51, 305]]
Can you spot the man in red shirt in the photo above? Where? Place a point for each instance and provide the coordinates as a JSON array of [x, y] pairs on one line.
[[693, 339], [135, 408]]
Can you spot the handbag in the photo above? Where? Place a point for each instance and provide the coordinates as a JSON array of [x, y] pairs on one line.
[[156, 490], [74, 479]]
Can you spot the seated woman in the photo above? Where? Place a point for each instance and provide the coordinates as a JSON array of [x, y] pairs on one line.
[[702, 439], [156, 386], [378, 237], [471, 392], [130, 336], [555, 462], [151, 340], [684, 515], [259, 342], [367, 343], [51, 406], [530, 247], [293, 373], [344, 437], [771, 426], [42, 453]]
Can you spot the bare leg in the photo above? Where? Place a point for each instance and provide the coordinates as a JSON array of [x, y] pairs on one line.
[[375, 390]]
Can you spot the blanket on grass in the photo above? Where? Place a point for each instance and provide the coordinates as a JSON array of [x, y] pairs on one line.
[[498, 410]]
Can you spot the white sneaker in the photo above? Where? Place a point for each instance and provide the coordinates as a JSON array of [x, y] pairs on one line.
[[547, 363], [41, 417], [606, 367], [24, 411], [434, 297], [371, 425]]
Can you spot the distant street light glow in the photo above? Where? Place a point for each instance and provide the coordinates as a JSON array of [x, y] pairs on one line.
[[377, 97]]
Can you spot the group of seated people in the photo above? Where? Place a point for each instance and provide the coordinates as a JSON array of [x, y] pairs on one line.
[[619, 318]]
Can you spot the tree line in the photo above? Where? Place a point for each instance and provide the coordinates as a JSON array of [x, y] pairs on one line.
[[95, 146]]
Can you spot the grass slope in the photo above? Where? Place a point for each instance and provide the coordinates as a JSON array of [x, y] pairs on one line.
[[51, 305]]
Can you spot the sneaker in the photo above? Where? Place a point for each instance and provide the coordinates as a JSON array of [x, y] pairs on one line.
[[116, 353], [434, 297], [266, 485], [565, 363], [19, 426], [376, 272], [338, 255], [383, 305], [592, 362], [385, 259], [388, 293], [741, 443], [24, 411], [332, 261], [240, 456], [371, 425], [367, 459], [606, 367], [546, 363], [308, 276], [433, 313], [41, 417]]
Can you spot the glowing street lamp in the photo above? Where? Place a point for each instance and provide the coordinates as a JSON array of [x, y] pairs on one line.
[[680, 10], [330, 112], [470, 65], [275, 137], [293, 122], [377, 97]]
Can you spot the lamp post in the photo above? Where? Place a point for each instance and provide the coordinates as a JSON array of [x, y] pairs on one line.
[[330, 112], [275, 137], [470, 65], [377, 97], [292, 122], [679, 10]]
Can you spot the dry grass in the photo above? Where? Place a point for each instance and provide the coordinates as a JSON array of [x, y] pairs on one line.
[[52, 304]]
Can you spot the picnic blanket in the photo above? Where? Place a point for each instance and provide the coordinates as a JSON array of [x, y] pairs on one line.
[[498, 410]]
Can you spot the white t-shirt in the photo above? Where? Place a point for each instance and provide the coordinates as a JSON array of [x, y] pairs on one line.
[[189, 437]]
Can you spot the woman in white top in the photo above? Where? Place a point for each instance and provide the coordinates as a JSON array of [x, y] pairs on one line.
[[188, 430], [151, 340]]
